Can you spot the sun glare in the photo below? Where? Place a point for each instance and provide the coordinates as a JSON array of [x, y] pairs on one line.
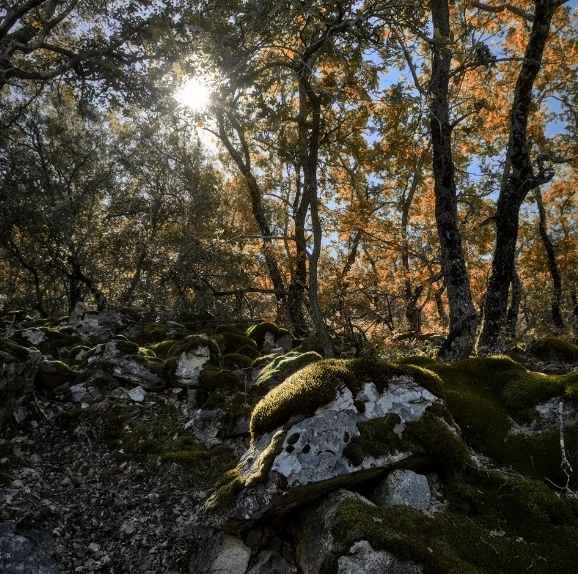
[[194, 94]]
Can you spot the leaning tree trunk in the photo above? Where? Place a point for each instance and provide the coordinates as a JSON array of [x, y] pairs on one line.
[[518, 179], [463, 317], [552, 264]]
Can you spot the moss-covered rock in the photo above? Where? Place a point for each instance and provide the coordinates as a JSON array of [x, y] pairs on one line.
[[338, 422], [260, 332], [282, 366], [482, 532], [490, 396], [555, 349], [194, 342], [162, 349]]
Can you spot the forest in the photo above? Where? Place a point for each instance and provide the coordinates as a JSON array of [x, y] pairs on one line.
[[288, 286], [355, 170]]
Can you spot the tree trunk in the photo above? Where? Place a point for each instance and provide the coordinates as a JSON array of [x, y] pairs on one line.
[[243, 161], [298, 285], [514, 308], [517, 180], [411, 294], [552, 264], [440, 307], [309, 132], [463, 317]]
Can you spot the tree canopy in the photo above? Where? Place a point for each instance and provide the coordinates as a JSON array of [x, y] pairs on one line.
[[353, 170]]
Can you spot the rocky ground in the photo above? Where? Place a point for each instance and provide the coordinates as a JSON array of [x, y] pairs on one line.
[[152, 447]]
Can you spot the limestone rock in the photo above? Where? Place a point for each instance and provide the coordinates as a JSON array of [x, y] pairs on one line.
[[406, 488], [190, 365], [217, 553], [363, 559], [313, 454]]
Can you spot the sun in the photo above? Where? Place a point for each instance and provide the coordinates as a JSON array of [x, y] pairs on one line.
[[194, 94]]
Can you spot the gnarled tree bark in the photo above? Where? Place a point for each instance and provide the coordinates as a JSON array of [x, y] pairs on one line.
[[463, 316], [518, 179]]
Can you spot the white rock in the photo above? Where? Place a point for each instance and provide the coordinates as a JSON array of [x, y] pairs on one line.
[[190, 365], [137, 394], [363, 559], [231, 558]]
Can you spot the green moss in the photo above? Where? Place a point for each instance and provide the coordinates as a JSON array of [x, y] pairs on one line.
[[282, 366], [237, 361], [376, 438], [439, 441], [226, 491], [555, 349], [217, 386], [419, 360], [204, 466], [193, 342], [516, 526], [302, 393], [264, 360]]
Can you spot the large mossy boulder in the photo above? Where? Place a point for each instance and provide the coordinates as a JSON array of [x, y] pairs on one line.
[[335, 423], [512, 414], [494, 522]]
